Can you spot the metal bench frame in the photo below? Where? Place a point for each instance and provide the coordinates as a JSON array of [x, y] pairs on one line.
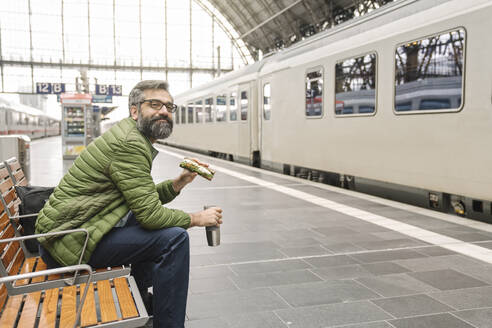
[[13, 290], [98, 275]]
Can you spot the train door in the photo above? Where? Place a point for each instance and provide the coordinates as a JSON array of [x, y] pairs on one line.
[[245, 121], [264, 118]]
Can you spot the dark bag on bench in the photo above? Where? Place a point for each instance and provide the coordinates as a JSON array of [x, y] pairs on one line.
[[32, 201]]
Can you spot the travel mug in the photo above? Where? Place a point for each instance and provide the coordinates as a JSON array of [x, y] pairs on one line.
[[213, 232]]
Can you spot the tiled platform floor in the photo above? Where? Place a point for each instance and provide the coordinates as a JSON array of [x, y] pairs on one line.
[[284, 262]]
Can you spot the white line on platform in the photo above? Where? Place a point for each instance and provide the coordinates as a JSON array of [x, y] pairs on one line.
[[452, 244], [238, 187]]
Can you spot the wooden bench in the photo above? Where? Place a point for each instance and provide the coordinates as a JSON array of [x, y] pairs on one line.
[[11, 202], [16, 173], [31, 296]]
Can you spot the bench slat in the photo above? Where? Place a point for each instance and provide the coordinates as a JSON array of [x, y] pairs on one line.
[[3, 295], [19, 258], [13, 305], [13, 208], [5, 185], [48, 313], [9, 315], [19, 175], [3, 173], [14, 165], [23, 182], [31, 303], [9, 196], [89, 316], [68, 311], [10, 252], [125, 298], [7, 233], [106, 301], [4, 218], [27, 267]]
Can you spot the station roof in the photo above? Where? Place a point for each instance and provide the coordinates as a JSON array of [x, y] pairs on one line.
[[269, 25]]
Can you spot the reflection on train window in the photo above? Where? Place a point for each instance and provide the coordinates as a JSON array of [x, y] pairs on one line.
[[347, 110], [266, 101], [208, 109], [198, 111], [355, 85], [435, 103], [244, 105], [190, 113], [183, 114], [366, 109], [232, 107], [403, 106], [314, 93], [429, 68], [221, 108]]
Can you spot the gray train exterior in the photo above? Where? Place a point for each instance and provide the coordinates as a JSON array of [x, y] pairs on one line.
[[26, 120], [423, 140]]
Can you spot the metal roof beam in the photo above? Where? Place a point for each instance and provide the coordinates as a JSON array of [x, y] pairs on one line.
[[270, 18]]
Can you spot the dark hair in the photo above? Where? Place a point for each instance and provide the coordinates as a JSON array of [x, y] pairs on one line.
[[136, 95]]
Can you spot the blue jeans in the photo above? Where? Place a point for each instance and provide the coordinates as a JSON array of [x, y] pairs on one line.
[[159, 258]]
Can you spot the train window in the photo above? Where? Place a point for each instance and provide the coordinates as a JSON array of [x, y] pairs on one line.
[[266, 101], [198, 111], [209, 102], [221, 108], [232, 107], [314, 93], [427, 69], [176, 117], [183, 114], [190, 113], [355, 85], [244, 105]]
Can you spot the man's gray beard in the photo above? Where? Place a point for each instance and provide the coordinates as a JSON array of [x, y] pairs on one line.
[[152, 128]]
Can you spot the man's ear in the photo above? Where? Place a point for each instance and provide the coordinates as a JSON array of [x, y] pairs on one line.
[[134, 112]]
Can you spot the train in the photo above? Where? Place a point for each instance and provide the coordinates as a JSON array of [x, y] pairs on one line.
[[22, 119], [395, 103]]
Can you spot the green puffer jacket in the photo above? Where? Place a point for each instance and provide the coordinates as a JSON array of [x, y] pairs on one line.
[[109, 178]]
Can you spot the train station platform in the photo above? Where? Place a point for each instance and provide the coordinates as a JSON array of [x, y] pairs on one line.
[[300, 254]]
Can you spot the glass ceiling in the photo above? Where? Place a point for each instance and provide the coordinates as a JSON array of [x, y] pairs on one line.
[[116, 42]]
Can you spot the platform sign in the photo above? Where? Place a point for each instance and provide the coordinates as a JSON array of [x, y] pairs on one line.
[[109, 89], [45, 88], [102, 98], [58, 88]]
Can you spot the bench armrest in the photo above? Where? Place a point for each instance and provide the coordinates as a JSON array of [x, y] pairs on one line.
[[64, 232], [47, 272], [72, 268], [23, 216]]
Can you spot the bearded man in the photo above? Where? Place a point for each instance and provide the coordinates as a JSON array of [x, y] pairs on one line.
[[109, 191]]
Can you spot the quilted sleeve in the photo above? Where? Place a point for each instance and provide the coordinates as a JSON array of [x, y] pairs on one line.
[[130, 172], [166, 191]]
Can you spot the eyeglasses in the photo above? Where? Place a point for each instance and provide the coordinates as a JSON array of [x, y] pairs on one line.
[[157, 105]]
